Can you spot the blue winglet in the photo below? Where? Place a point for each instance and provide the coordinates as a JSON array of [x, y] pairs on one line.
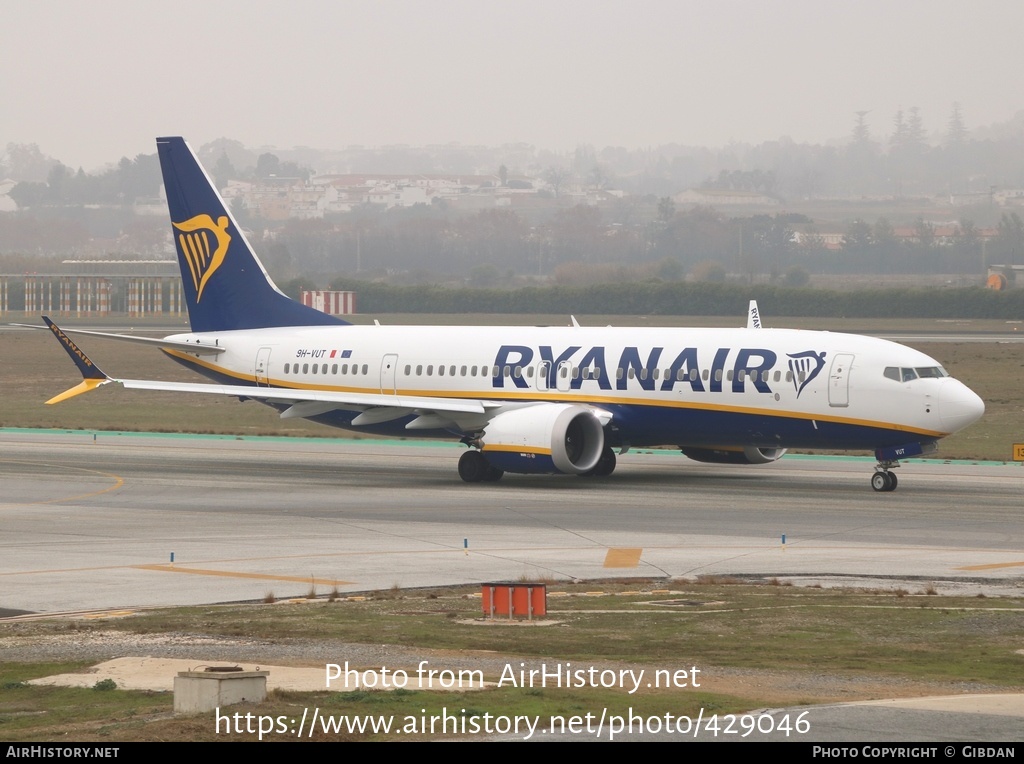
[[92, 376]]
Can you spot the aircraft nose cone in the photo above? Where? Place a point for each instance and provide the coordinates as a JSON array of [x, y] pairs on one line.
[[959, 406]]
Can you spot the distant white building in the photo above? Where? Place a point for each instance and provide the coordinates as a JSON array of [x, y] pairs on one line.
[[716, 198]]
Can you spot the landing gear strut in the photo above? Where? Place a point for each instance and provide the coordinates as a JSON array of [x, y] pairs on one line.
[[883, 480]]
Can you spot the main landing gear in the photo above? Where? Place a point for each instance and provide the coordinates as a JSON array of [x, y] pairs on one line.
[[474, 468], [884, 481], [605, 465]]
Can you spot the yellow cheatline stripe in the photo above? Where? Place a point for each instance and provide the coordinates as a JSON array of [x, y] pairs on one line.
[[507, 395], [164, 568], [993, 566], [623, 557], [514, 449], [82, 387]]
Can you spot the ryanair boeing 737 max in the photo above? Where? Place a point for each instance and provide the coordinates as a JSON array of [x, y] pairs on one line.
[[534, 399]]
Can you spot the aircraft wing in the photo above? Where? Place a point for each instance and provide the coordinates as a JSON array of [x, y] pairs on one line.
[[301, 403], [286, 395]]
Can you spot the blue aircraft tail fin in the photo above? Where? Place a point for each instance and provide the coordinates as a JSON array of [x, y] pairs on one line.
[[224, 283]]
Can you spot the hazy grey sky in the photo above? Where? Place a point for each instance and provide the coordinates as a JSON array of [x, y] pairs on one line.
[[93, 81]]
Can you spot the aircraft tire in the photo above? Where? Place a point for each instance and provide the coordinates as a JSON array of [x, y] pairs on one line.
[[605, 465], [884, 482], [473, 467], [493, 474]]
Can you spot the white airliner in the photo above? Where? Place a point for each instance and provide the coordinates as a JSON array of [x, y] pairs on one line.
[[534, 399]]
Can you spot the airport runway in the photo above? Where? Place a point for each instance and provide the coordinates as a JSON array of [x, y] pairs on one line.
[[93, 524]]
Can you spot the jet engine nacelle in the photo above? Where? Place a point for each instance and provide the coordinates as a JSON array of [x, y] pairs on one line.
[[748, 455], [550, 437]]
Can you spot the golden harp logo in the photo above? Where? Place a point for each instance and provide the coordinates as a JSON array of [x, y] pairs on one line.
[[196, 237]]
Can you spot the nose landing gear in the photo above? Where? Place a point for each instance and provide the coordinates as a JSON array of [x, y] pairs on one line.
[[883, 480]]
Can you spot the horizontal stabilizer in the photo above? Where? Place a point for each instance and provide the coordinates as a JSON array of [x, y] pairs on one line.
[[197, 347]]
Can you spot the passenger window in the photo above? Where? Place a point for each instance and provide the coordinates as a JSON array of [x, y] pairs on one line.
[[778, 375], [440, 371], [705, 375], [334, 369], [693, 375], [518, 372], [408, 368], [314, 368], [718, 375], [430, 370], [286, 368], [366, 369], [462, 371], [529, 372], [305, 368]]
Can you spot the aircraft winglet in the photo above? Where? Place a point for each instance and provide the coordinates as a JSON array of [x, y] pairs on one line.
[[92, 376]]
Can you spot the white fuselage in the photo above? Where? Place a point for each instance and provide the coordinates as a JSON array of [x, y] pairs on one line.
[[696, 387]]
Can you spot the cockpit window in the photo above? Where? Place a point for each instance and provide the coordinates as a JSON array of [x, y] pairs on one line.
[[906, 374]]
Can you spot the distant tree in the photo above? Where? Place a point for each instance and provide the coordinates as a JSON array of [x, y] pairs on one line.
[[503, 175], [1009, 242], [861, 134], [25, 162], [924, 232], [883, 235], [670, 269], [857, 238], [224, 171], [915, 130], [666, 209], [899, 132], [956, 130], [710, 271], [796, 276], [556, 177], [268, 165], [28, 194]]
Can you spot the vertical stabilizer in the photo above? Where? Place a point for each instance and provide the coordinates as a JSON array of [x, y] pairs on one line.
[[224, 283]]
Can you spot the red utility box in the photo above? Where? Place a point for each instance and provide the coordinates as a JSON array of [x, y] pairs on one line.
[[515, 599]]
